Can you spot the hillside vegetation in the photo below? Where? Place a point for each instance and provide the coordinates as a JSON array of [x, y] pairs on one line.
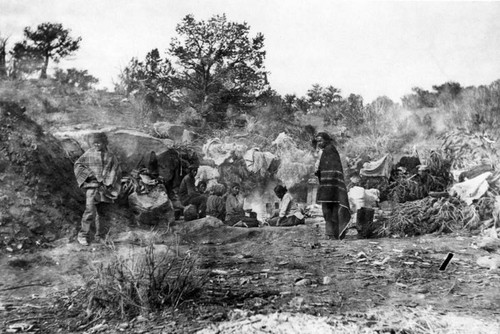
[[203, 275]]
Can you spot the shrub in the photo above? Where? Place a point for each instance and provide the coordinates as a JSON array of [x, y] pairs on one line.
[[144, 283]]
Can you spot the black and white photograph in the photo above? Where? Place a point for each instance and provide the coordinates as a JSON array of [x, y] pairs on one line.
[[249, 167]]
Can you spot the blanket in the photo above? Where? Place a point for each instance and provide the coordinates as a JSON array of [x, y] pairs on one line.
[[96, 170], [471, 189], [380, 167], [332, 188]]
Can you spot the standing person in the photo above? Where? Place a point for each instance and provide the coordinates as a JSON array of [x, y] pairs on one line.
[[332, 192], [98, 172], [289, 213]]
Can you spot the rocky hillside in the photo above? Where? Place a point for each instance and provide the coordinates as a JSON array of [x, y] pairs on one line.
[[39, 197]]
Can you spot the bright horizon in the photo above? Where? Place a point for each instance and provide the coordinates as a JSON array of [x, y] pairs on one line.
[[370, 48]]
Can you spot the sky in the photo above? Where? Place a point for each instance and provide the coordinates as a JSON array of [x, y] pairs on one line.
[[370, 48]]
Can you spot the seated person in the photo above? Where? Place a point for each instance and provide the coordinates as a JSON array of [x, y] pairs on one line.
[[190, 194], [234, 205], [200, 201], [235, 214], [187, 188], [216, 203], [289, 213]]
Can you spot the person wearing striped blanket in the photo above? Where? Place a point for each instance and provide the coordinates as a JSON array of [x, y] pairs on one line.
[[332, 191]]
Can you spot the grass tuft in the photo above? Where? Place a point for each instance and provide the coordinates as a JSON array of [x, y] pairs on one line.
[[144, 283]]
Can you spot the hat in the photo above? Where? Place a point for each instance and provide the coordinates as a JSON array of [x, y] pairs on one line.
[[99, 137]]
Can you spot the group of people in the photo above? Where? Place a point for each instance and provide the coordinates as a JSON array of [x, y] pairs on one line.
[[199, 202], [98, 173]]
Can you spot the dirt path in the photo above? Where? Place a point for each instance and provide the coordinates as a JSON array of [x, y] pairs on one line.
[[266, 270]]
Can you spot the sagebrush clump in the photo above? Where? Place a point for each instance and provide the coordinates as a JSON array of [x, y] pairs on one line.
[[144, 283]]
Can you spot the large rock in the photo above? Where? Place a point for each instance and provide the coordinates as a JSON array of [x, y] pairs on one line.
[[199, 224], [492, 262], [132, 147], [489, 244], [175, 132], [188, 136]]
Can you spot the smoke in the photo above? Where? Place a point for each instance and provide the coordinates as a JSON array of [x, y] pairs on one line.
[[259, 197]]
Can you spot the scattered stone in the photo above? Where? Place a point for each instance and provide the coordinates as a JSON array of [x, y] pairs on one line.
[[140, 318], [303, 282], [381, 263], [123, 325], [220, 272], [489, 244], [492, 262], [361, 255], [237, 314], [99, 328], [296, 302]]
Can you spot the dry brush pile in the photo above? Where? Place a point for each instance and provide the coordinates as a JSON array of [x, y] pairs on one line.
[[428, 215], [436, 178], [417, 213]]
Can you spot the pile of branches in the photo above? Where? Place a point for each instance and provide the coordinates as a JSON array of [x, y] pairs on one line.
[[436, 178], [404, 188], [485, 207], [428, 215], [468, 149]]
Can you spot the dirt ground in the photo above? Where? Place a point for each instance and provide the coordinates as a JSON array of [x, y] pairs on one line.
[[372, 285]]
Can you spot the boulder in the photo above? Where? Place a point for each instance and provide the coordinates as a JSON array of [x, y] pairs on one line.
[[131, 147], [175, 132], [72, 148], [492, 262], [190, 213], [188, 136], [200, 224], [489, 244]]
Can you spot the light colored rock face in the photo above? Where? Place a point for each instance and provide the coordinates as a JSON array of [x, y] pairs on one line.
[[175, 132], [188, 136], [130, 146]]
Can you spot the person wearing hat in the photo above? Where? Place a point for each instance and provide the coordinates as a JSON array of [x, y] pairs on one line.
[[98, 173], [332, 191]]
